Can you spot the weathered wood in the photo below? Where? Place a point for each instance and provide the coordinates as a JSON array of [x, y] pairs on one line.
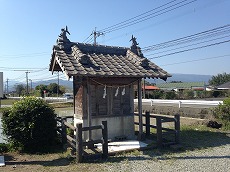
[[89, 143], [70, 116], [147, 123], [140, 134], [64, 131], [105, 139], [79, 145], [92, 128], [69, 125], [167, 120], [71, 141], [113, 81], [89, 115], [159, 131], [177, 128]]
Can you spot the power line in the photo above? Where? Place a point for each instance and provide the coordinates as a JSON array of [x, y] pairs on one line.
[[194, 37], [196, 60], [88, 37], [147, 15], [187, 46], [191, 49], [160, 10]]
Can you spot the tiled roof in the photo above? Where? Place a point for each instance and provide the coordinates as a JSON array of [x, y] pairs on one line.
[[80, 59], [224, 86], [150, 87]]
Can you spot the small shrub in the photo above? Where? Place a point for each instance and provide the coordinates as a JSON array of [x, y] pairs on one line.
[[30, 125], [222, 113], [4, 147], [169, 95]]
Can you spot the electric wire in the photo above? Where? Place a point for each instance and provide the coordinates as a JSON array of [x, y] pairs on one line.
[[87, 38], [143, 17], [196, 60], [195, 37], [195, 48], [187, 46]]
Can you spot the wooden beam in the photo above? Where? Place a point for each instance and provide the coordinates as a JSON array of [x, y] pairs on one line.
[[140, 134], [89, 108]]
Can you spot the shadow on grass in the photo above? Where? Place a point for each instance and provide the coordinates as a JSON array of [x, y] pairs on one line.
[[55, 162], [46, 159], [191, 138]]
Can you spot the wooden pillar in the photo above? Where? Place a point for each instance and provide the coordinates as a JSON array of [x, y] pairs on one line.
[[140, 134], [64, 131], [89, 109], [159, 132], [147, 123], [79, 144], [144, 88], [105, 139], [74, 95], [177, 128]]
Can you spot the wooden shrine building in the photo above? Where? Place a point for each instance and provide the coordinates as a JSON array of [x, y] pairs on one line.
[[103, 81]]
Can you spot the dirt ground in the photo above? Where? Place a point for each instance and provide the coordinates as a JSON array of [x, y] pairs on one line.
[[59, 161]]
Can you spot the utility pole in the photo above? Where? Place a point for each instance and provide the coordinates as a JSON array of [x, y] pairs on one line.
[[31, 88], [7, 86], [95, 35], [27, 84]]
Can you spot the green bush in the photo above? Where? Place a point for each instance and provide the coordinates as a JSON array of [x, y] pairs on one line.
[[222, 113], [30, 125], [169, 95], [4, 147]]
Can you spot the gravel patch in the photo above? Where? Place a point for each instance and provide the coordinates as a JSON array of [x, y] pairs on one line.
[[213, 159]]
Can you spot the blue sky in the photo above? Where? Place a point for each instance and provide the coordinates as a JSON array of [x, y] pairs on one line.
[[29, 30]]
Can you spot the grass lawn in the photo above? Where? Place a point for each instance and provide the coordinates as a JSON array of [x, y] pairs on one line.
[[195, 137], [7, 101]]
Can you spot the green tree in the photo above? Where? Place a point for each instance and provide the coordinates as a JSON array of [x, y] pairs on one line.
[[20, 89], [219, 79], [188, 94], [41, 88], [54, 88], [222, 113], [30, 125]]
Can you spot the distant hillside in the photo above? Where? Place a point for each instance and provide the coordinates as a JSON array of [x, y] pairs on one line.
[[184, 78], [175, 77], [66, 83]]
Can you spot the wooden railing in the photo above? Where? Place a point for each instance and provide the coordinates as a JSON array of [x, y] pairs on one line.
[[160, 130], [77, 143]]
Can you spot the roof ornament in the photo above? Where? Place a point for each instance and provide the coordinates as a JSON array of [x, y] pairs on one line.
[[62, 38], [63, 34], [135, 48], [134, 41]]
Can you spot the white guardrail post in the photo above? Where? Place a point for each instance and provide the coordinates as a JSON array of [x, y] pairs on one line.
[[179, 103]]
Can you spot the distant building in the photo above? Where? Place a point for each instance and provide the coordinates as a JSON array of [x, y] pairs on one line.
[[225, 86], [196, 86]]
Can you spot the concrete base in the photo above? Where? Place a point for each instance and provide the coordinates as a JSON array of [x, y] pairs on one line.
[[2, 161], [117, 126], [114, 147]]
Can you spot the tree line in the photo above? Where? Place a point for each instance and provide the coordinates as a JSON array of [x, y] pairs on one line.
[[50, 90]]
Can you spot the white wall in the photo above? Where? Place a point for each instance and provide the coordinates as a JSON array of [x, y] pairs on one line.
[[117, 126], [1, 84]]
